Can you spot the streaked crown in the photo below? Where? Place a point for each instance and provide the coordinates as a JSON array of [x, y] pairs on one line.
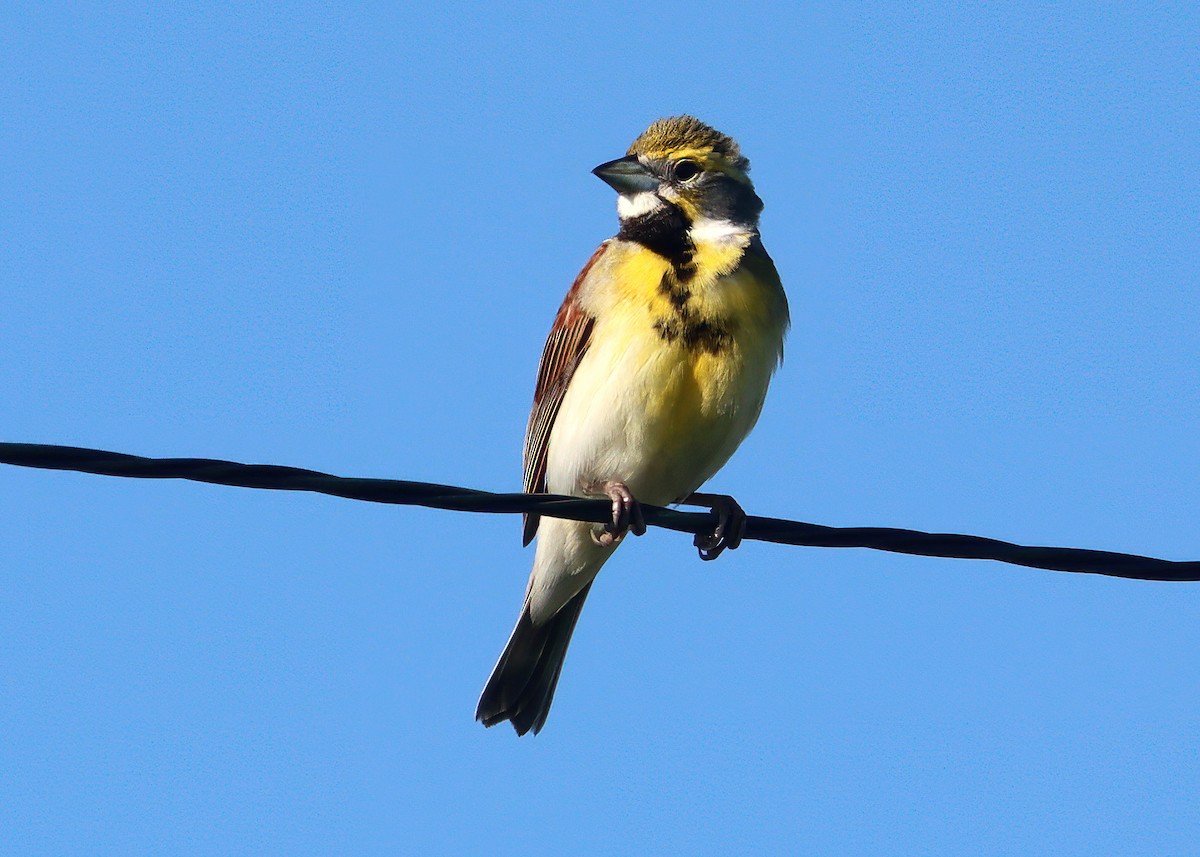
[[686, 136]]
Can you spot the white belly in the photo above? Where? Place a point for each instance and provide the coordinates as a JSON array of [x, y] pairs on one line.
[[636, 412], [653, 415]]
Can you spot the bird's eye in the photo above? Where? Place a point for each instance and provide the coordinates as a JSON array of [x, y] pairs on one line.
[[685, 171]]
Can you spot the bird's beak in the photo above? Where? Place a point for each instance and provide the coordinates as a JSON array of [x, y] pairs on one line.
[[627, 175]]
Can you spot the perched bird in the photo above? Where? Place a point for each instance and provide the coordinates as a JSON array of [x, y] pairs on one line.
[[654, 372]]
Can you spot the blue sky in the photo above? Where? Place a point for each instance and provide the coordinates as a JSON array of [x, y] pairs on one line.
[[334, 236]]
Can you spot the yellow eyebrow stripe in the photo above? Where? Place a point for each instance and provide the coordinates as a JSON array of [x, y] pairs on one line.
[[708, 159]]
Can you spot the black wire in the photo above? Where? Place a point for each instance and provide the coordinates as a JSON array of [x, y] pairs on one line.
[[399, 492]]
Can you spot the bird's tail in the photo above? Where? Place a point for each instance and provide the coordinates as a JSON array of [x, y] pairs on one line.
[[522, 684]]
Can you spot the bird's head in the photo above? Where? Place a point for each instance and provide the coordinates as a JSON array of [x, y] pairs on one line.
[[683, 164]]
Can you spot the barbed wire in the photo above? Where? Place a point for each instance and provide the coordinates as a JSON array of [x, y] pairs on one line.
[[454, 498]]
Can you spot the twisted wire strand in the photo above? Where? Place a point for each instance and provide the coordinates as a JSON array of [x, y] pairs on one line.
[[454, 498]]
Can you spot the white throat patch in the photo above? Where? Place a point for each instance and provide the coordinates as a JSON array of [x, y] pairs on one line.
[[629, 207]]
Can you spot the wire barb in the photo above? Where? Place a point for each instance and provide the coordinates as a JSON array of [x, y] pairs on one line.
[[451, 497]]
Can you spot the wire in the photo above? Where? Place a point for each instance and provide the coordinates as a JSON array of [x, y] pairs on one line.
[[779, 531]]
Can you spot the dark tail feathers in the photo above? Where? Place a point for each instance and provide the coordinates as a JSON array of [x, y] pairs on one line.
[[522, 684]]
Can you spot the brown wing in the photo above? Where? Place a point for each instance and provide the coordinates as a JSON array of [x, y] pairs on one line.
[[568, 340]]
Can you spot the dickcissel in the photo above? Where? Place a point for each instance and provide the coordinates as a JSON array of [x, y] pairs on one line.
[[655, 370]]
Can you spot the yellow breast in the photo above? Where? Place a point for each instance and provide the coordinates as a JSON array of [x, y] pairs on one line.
[[728, 316], [688, 361]]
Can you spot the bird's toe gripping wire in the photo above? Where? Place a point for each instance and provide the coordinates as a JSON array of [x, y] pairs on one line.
[[730, 528], [626, 514]]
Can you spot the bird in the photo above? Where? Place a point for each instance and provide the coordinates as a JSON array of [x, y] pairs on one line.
[[655, 370]]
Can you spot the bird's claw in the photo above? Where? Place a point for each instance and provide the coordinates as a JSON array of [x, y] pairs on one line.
[[626, 514], [730, 528]]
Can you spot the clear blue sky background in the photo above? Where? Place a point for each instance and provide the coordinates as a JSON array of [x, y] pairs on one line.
[[334, 236]]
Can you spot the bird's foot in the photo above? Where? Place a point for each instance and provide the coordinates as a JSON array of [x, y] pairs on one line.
[[626, 513], [730, 528]]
